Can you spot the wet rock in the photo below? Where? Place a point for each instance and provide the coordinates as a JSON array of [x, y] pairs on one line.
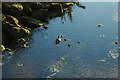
[[31, 22], [37, 13], [12, 8]]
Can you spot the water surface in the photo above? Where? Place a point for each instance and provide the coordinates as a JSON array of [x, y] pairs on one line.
[[90, 59]]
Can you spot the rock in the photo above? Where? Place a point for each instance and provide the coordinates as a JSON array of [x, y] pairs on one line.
[[12, 8], [37, 13], [12, 30], [31, 22], [12, 21]]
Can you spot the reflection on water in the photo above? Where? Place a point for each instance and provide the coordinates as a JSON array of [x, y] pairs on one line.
[[96, 55]]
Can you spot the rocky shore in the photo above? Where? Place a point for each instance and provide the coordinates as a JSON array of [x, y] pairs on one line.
[[20, 18]]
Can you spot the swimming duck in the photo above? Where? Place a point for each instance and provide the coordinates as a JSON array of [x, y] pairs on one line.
[[65, 39], [45, 27], [116, 42], [58, 40], [99, 25], [69, 45], [61, 36], [19, 64], [78, 42]]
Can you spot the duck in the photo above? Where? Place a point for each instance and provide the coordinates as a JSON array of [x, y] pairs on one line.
[[65, 39], [99, 25], [59, 36], [20, 64], [78, 42], [116, 42], [62, 36], [45, 27], [58, 40], [69, 45]]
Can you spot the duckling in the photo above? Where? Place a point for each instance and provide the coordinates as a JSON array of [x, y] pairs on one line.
[[102, 36], [61, 36], [45, 27], [69, 45], [41, 24], [65, 39], [99, 25], [58, 40], [78, 42], [63, 22], [116, 42], [19, 64], [7, 49]]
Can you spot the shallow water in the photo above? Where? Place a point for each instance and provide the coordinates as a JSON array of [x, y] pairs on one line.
[[89, 59]]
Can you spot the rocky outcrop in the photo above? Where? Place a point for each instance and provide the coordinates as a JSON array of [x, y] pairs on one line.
[[18, 19]]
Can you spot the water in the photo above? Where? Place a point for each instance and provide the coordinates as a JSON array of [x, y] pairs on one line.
[[92, 58]]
